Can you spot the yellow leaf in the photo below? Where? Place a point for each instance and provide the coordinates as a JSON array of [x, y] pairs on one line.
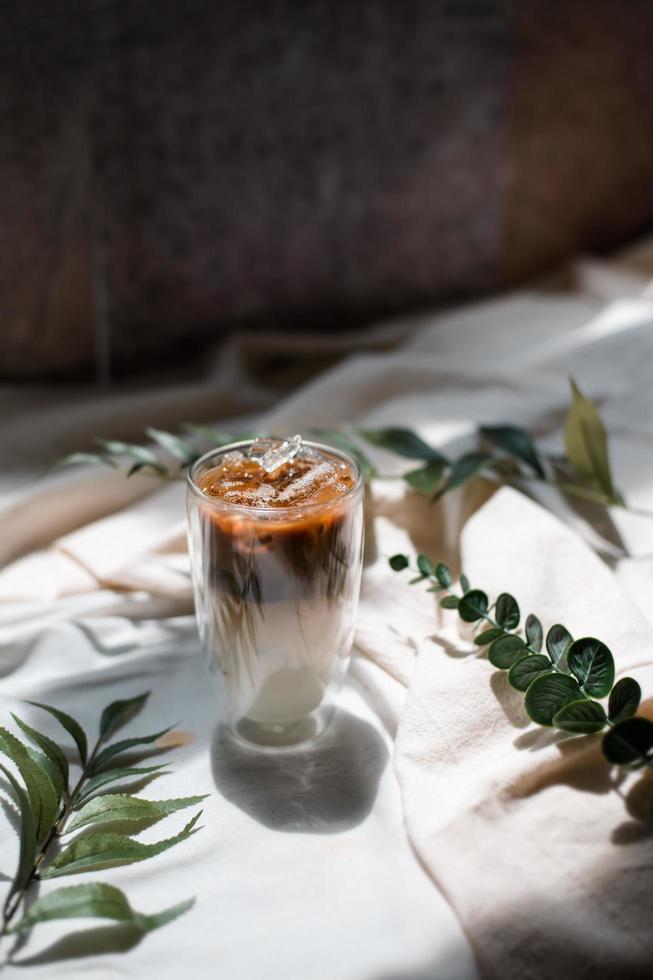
[[586, 445]]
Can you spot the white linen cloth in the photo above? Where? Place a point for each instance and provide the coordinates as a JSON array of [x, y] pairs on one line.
[[300, 876]]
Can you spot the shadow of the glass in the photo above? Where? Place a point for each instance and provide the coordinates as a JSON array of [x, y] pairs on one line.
[[327, 787]]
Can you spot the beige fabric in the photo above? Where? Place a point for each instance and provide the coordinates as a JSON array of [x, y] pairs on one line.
[[544, 859]]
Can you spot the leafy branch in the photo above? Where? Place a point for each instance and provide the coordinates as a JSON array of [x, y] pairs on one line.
[[563, 680], [52, 806]]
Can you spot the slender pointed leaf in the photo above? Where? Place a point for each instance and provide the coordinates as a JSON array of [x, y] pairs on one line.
[[534, 633], [473, 605], [132, 812], [524, 671], [464, 469], [506, 650], [403, 442], [45, 763], [86, 459], [547, 694], [42, 794], [128, 743], [586, 445], [118, 713], [27, 849], [593, 664], [108, 850], [515, 441], [114, 775], [47, 745], [427, 478], [72, 727], [173, 445], [507, 612], [95, 900], [581, 717], [624, 699]]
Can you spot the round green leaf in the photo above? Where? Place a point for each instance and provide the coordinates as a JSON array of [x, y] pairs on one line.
[[522, 673], [443, 574], [424, 565], [473, 605], [581, 717], [487, 636], [630, 742], [449, 602], [624, 699], [464, 583], [547, 694], [534, 634], [398, 563], [507, 612], [506, 650], [558, 641], [592, 663]]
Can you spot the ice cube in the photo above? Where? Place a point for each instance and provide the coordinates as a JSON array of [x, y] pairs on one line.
[[265, 494], [234, 456], [273, 453], [308, 483]]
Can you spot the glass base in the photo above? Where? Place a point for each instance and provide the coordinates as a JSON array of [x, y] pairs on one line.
[[284, 736]]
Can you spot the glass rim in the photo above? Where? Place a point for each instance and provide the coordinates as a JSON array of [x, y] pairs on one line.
[[280, 512]]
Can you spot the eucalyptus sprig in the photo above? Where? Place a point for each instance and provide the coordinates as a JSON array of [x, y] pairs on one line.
[[75, 824], [563, 680]]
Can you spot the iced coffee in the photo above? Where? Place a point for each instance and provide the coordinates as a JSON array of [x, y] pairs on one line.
[[275, 529]]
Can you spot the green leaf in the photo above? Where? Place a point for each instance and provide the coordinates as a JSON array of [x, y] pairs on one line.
[[443, 574], [592, 663], [515, 441], [158, 468], [464, 469], [425, 566], [48, 746], [548, 694], [215, 437], [128, 743], [173, 445], [449, 602], [629, 742], [132, 813], [45, 763], [398, 563], [86, 459], [95, 901], [507, 612], [473, 605], [487, 636], [534, 634], [108, 850], [522, 673], [113, 775], [403, 442], [40, 791], [427, 478], [506, 650], [586, 445], [558, 641], [465, 584], [581, 717], [72, 727], [27, 850], [624, 699], [118, 713]]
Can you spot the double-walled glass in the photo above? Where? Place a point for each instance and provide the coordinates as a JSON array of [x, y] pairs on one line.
[[276, 592]]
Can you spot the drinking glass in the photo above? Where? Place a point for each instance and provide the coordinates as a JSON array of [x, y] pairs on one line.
[[276, 592]]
